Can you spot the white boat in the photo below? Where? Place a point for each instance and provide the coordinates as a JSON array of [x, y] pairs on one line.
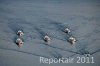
[[47, 39], [20, 33], [19, 42], [72, 40], [67, 30]]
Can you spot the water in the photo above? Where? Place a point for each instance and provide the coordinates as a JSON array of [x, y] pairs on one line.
[[36, 17]]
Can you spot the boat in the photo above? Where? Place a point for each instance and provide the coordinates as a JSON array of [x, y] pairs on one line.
[[67, 30], [72, 40], [19, 42], [20, 33], [47, 38]]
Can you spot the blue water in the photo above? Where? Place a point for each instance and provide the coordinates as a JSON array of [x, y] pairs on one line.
[[37, 17]]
